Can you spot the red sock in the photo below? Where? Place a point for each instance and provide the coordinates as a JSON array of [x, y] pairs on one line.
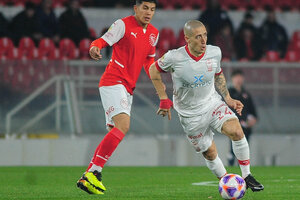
[[93, 159], [106, 147]]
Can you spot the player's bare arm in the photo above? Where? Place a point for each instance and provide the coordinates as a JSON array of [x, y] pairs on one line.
[[95, 53], [221, 87], [160, 89]]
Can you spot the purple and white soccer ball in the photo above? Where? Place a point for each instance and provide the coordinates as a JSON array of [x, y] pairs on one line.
[[232, 186]]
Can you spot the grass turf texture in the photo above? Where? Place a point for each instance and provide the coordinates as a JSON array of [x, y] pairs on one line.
[[141, 183]]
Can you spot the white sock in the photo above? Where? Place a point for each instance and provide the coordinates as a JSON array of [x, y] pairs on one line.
[[241, 152], [216, 167], [95, 167]]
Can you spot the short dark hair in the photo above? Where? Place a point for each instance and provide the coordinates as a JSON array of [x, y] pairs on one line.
[[237, 72], [138, 2]]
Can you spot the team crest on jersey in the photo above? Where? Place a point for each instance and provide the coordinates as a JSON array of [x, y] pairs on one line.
[[209, 65], [152, 39]]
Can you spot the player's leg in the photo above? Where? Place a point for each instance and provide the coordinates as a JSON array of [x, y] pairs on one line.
[[117, 104], [230, 156], [213, 162], [233, 130], [201, 138]]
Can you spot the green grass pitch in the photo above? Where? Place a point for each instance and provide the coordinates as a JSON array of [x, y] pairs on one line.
[[155, 183]]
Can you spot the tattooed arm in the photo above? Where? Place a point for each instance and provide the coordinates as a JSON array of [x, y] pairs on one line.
[[220, 84], [221, 87]]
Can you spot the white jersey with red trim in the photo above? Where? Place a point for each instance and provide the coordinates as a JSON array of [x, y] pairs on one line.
[[193, 78]]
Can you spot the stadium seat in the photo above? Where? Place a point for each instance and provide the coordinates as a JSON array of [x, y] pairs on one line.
[[21, 80], [166, 40], [232, 4], [166, 4], [84, 46], [47, 50], [37, 2], [7, 49], [59, 3], [285, 4], [272, 56], [67, 49], [18, 2], [93, 33], [292, 56], [180, 40], [26, 49], [8, 72], [296, 36]]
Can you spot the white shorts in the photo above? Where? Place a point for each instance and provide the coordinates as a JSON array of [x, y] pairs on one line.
[[200, 129], [115, 100]]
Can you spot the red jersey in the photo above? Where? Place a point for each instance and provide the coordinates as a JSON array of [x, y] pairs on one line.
[[133, 48]]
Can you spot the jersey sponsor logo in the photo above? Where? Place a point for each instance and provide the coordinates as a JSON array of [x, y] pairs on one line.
[[124, 103], [196, 85], [198, 78], [152, 39], [209, 65], [134, 34], [109, 110]]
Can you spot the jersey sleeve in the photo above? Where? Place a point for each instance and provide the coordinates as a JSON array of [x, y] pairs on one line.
[[165, 63], [219, 58], [115, 32]]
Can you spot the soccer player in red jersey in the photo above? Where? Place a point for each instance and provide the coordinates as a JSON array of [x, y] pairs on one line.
[[133, 39]]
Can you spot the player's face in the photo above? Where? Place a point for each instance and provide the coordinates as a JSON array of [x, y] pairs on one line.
[[197, 41], [144, 12]]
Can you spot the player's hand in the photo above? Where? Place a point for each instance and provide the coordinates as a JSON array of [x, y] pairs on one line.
[[236, 105], [165, 108], [95, 53]]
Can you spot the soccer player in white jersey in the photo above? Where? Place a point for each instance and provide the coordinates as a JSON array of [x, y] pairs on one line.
[[197, 76]]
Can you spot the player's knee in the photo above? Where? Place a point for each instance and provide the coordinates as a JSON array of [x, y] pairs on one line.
[[238, 134], [124, 128]]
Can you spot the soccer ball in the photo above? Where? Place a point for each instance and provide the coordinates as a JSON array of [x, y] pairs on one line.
[[232, 186]]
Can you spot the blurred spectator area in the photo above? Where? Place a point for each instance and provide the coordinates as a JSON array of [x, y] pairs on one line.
[[28, 64], [177, 4]]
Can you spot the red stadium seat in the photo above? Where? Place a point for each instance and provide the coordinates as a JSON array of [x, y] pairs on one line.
[[272, 56], [7, 49], [18, 2], [167, 40], [285, 4], [232, 4], [296, 36], [292, 56], [8, 72], [84, 46], [180, 40], [67, 49], [22, 77], [26, 49], [37, 2], [47, 50], [93, 33], [59, 3]]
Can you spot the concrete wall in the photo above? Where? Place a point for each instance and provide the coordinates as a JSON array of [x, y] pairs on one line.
[[142, 151]]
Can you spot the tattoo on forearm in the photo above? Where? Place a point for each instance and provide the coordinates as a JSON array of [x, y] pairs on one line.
[[220, 84]]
